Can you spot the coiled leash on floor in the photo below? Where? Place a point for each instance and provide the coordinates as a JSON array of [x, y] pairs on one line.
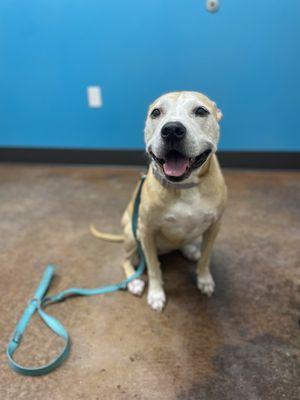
[[39, 302]]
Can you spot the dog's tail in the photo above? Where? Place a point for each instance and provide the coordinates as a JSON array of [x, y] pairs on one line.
[[106, 236]]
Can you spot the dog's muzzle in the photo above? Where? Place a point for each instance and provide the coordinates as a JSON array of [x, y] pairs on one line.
[[176, 166]]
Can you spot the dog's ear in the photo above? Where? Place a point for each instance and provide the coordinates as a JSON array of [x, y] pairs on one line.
[[219, 114]]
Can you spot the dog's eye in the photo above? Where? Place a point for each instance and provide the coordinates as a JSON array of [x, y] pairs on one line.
[[201, 112], [155, 113]]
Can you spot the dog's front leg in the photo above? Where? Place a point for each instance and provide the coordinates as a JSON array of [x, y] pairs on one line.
[[156, 294], [205, 281]]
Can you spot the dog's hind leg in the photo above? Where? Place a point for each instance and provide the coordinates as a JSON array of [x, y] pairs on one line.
[[136, 286], [191, 251]]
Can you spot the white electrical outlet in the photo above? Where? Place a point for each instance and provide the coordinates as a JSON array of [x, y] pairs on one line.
[[94, 96]]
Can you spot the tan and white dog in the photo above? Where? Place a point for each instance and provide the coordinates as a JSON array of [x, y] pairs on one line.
[[184, 195]]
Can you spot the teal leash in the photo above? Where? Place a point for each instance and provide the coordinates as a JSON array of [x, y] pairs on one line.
[[39, 302]]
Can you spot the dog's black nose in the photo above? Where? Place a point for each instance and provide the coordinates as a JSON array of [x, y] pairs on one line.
[[173, 131]]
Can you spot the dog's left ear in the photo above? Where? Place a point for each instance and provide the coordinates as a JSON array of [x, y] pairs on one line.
[[219, 114]]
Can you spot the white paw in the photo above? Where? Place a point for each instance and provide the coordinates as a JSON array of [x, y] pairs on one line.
[[156, 299], [191, 252], [206, 284], [136, 287]]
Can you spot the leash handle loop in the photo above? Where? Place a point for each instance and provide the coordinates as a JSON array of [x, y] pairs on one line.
[[35, 304], [39, 301]]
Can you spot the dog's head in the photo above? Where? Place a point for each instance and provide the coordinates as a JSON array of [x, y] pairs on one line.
[[181, 133]]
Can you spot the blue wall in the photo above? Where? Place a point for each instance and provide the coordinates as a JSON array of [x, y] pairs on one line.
[[246, 57]]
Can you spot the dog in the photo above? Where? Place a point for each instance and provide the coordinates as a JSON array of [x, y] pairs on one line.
[[184, 194]]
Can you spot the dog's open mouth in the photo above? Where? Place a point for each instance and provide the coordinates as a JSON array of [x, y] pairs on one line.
[[176, 166]]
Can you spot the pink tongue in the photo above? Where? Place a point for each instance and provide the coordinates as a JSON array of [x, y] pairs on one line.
[[175, 166]]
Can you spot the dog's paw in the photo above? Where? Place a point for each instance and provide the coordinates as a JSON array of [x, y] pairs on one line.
[[156, 299], [136, 287], [191, 252], [206, 284]]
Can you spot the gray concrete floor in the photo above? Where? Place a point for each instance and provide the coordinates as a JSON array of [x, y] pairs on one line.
[[243, 343]]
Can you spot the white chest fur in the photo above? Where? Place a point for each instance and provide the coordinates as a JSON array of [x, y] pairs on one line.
[[185, 220]]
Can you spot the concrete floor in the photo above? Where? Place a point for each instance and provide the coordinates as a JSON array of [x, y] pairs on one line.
[[243, 343]]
